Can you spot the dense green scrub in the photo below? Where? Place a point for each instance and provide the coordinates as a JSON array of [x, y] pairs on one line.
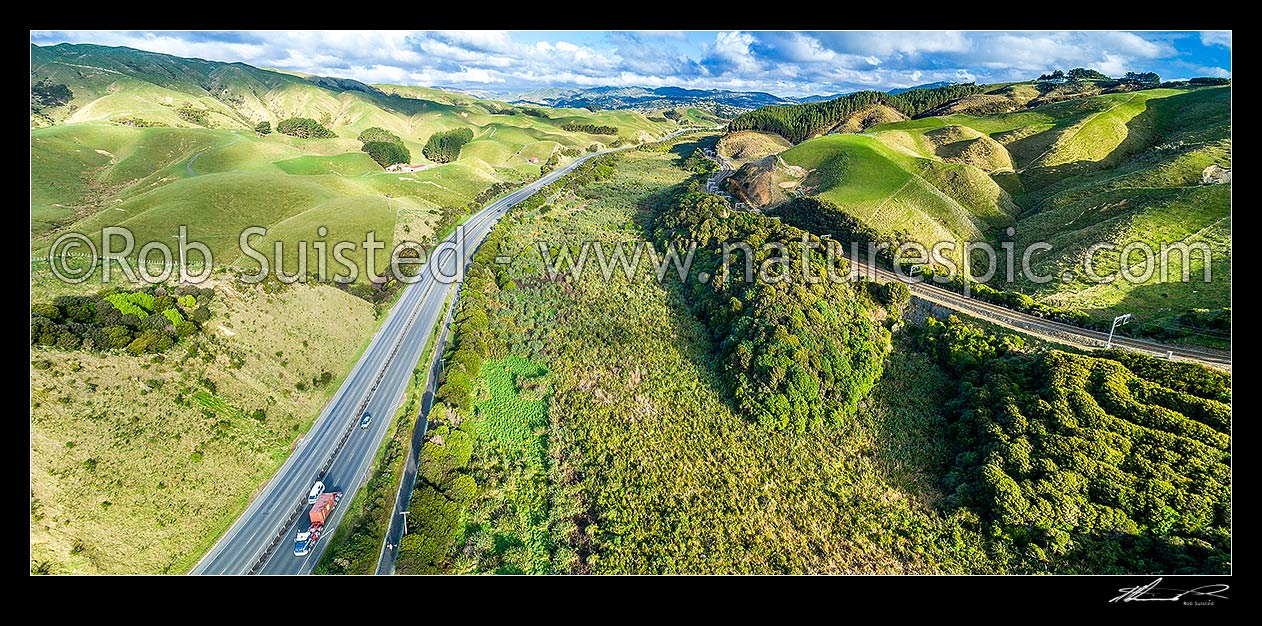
[[1085, 464]]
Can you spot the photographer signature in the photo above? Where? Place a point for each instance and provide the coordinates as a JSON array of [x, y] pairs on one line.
[[1152, 593]]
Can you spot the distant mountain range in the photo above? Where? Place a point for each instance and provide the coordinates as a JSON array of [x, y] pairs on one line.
[[896, 90], [941, 83], [644, 98]]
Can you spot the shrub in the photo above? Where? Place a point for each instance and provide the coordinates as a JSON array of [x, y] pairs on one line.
[[575, 127], [1095, 459], [766, 328], [115, 319], [47, 94], [895, 294], [699, 163], [193, 115]]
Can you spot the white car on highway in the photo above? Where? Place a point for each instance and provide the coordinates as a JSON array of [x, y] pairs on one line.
[[316, 490]]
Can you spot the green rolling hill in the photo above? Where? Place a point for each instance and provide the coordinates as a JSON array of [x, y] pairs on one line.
[[1113, 168], [151, 142]]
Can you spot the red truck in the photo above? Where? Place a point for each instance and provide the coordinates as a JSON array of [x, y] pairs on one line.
[[320, 512]]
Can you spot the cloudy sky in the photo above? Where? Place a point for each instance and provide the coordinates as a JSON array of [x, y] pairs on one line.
[[787, 63]]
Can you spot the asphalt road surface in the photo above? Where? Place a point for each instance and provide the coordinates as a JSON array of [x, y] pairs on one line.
[[1045, 328], [336, 450]]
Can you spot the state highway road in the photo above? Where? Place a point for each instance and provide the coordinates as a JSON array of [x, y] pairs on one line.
[[1041, 327], [336, 450]]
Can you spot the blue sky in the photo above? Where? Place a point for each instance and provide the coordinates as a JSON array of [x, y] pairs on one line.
[[790, 63]]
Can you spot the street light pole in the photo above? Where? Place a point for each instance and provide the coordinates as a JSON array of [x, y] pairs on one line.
[[405, 521], [1120, 320]]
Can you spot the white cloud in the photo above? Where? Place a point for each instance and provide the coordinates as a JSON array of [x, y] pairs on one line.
[[787, 63], [733, 47], [1216, 38]]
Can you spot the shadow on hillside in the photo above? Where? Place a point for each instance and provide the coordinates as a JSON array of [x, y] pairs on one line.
[[1158, 304], [702, 358], [684, 149], [1156, 127], [908, 418]]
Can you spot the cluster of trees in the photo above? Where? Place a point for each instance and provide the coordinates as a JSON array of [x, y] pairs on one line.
[[385, 147], [575, 127], [1079, 73], [444, 489], [304, 128], [1082, 73], [387, 153], [143, 320], [193, 115], [46, 94], [1150, 79], [1200, 81], [699, 163], [799, 122], [1085, 464], [444, 146], [795, 353], [472, 338], [263, 128], [377, 133]]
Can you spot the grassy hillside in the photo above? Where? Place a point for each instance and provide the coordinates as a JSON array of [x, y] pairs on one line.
[[1148, 189], [900, 191], [1114, 168], [139, 463], [745, 146], [150, 142]]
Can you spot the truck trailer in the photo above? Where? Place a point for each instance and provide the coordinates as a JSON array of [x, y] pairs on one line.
[[320, 512]]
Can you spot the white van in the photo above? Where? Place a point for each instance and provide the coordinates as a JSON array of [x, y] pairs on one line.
[[316, 490]]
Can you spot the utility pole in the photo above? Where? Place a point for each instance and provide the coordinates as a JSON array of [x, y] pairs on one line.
[[1120, 320], [405, 521]]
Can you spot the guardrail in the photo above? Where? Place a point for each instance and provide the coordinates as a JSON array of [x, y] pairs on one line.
[[341, 442]]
